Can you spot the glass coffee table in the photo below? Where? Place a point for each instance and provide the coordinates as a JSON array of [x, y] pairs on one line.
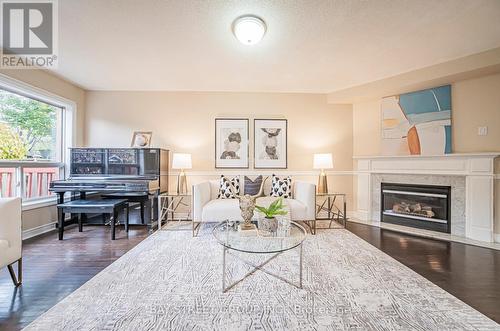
[[233, 240]]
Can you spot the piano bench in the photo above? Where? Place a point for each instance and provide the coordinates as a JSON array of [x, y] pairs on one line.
[[136, 197], [106, 206]]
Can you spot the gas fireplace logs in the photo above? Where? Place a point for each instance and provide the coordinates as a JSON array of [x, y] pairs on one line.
[[413, 209]]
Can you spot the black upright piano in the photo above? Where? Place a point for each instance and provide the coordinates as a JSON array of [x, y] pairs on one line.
[[107, 170]]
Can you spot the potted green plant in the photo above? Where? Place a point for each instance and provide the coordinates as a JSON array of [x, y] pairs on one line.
[[275, 208]]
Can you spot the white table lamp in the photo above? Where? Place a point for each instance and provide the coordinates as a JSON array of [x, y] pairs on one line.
[[323, 161], [181, 161]]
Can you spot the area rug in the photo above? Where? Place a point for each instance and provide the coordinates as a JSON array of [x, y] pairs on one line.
[[172, 281]]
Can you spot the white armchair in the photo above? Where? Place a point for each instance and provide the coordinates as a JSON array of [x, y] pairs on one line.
[[207, 208], [10, 237]]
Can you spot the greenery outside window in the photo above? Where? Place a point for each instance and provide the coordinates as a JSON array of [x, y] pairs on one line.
[[29, 129], [34, 133]]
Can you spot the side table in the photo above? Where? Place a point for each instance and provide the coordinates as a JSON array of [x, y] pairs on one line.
[[325, 202], [168, 203]]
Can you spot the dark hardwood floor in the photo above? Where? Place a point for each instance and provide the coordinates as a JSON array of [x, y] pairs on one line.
[[53, 269], [470, 273]]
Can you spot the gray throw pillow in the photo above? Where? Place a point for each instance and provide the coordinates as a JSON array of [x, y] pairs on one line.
[[252, 187]]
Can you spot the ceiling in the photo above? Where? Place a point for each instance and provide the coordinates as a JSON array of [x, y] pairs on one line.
[[310, 45]]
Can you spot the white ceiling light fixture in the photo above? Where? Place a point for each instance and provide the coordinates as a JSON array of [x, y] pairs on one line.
[[249, 29]]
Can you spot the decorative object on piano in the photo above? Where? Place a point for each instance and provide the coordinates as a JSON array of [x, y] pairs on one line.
[[323, 161], [247, 206], [181, 161], [141, 139], [416, 209], [270, 143], [231, 143]]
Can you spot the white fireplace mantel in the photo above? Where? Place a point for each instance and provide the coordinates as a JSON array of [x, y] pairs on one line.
[[478, 170]]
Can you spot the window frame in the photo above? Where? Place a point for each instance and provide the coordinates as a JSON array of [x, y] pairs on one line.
[[68, 137]]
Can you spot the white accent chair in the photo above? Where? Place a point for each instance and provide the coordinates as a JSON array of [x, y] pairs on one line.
[[10, 237], [207, 208]]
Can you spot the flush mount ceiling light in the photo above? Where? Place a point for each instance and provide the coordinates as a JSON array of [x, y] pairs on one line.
[[249, 29]]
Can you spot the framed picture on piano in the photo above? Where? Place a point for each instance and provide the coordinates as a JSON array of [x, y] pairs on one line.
[[141, 139]]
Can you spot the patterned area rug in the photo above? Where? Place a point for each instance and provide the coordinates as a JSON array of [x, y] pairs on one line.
[[172, 281]]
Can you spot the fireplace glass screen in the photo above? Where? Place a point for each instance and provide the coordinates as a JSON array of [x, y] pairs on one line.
[[420, 206]]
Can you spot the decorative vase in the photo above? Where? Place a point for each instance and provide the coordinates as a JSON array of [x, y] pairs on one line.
[[269, 225], [284, 226]]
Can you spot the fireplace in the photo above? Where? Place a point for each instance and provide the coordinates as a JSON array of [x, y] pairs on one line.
[[419, 206]]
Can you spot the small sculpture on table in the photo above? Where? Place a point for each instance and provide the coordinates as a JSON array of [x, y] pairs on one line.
[[247, 206]]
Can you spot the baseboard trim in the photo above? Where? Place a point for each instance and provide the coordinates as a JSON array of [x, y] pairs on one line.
[[431, 234], [351, 214], [39, 230], [496, 237], [360, 215], [365, 222], [480, 234]]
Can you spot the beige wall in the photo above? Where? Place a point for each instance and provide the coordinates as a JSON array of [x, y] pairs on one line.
[[475, 102], [43, 80], [366, 128], [468, 67], [184, 122]]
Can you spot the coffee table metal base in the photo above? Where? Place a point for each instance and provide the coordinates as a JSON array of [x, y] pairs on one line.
[[226, 251]]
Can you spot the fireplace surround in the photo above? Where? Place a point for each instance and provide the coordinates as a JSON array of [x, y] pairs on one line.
[[419, 206], [471, 177]]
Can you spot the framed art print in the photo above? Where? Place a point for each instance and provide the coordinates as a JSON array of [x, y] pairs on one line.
[[231, 143], [417, 123], [141, 139], [270, 143]]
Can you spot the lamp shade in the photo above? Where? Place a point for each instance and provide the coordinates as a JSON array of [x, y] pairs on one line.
[[323, 161], [181, 161]]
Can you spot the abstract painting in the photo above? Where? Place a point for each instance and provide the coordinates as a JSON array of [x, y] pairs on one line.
[[231, 143], [417, 123], [270, 143]]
